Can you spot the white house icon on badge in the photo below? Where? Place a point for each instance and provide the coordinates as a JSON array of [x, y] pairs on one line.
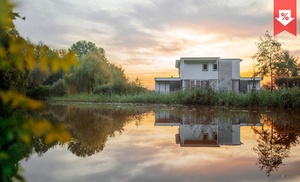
[[285, 17]]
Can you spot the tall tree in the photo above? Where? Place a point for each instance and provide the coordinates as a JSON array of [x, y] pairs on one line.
[[268, 54], [84, 47], [92, 71]]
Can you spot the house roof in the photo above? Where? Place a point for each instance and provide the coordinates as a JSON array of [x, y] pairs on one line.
[[201, 60], [232, 59], [167, 79], [195, 60], [250, 78]]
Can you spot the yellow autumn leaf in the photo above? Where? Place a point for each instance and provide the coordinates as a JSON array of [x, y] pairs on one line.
[[50, 138], [25, 137], [57, 133], [19, 62], [37, 127], [54, 65], [65, 66], [51, 132], [44, 63], [64, 135], [30, 60], [2, 52], [40, 127], [18, 100], [4, 16]]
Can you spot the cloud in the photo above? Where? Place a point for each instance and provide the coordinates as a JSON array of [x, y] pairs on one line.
[[296, 52], [138, 26], [207, 16], [152, 33]]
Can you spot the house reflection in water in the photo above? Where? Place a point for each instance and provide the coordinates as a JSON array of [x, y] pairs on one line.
[[204, 130]]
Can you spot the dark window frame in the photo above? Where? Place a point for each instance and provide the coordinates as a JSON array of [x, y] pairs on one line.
[[215, 136], [205, 137], [215, 64], [205, 67]]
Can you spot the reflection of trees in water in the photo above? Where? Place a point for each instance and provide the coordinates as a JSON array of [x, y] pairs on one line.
[[39, 146], [90, 126], [280, 132], [90, 129]]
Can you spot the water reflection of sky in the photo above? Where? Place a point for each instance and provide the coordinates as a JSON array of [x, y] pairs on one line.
[[149, 153]]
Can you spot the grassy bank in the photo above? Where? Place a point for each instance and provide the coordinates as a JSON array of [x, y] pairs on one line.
[[277, 99]]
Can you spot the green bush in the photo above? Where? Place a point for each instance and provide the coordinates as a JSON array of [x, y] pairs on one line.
[[120, 88], [104, 89], [41, 92], [59, 88]]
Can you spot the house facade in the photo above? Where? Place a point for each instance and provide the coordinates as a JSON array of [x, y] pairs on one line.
[[203, 72]]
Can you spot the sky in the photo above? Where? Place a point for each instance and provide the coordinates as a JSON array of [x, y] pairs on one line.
[[146, 37]]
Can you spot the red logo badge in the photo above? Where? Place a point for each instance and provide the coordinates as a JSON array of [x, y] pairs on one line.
[[285, 16]]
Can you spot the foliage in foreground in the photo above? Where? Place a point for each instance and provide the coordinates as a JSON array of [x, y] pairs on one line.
[[18, 61], [278, 99]]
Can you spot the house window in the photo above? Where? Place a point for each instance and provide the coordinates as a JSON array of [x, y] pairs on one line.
[[215, 136], [215, 66], [205, 67], [205, 136]]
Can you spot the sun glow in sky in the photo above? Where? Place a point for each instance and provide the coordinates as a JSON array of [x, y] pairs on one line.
[[146, 37]]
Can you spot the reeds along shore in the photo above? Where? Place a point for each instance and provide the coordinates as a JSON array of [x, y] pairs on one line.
[[283, 98]]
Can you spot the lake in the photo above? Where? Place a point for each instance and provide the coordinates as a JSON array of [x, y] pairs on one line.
[[128, 142]]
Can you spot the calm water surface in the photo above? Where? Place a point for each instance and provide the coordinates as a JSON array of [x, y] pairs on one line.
[[118, 142]]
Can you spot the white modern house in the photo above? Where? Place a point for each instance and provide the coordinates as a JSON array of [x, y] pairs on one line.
[[203, 72]]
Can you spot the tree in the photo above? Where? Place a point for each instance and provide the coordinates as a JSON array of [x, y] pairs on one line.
[[93, 68], [92, 71], [268, 54], [35, 78], [287, 65], [96, 74], [84, 47]]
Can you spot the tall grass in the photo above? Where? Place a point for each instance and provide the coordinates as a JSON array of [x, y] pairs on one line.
[[278, 99]]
